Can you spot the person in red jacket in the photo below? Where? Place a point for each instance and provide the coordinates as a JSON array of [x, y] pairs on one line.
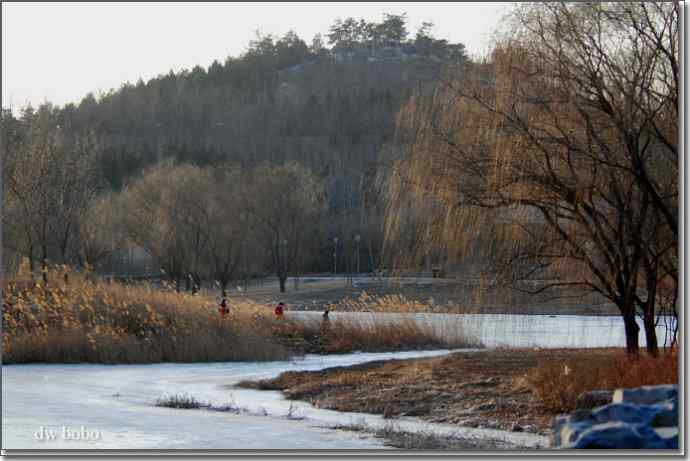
[[223, 308], [280, 309]]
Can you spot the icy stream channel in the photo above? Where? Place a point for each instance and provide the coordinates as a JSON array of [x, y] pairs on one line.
[[111, 407]]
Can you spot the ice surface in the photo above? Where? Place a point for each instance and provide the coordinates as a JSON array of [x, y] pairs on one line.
[[507, 330], [117, 401]]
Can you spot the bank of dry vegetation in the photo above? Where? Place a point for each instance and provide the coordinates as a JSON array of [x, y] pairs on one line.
[[558, 381], [503, 389], [83, 321], [349, 335], [91, 321]]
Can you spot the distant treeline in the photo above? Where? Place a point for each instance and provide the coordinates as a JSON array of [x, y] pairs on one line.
[[329, 106]]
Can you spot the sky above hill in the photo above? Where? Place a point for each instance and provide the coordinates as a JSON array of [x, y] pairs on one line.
[[60, 52]]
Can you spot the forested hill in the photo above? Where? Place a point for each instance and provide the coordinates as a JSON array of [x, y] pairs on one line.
[[323, 113], [330, 104]]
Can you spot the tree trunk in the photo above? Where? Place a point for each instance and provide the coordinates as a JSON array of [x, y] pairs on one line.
[[63, 252], [44, 263], [196, 284], [632, 331], [650, 331], [282, 280], [224, 290], [32, 265], [371, 257]]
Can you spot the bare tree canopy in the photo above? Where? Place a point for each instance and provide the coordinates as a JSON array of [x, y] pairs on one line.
[[563, 152], [50, 176], [285, 203]]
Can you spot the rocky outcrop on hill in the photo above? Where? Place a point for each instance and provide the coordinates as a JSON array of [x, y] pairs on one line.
[[644, 417]]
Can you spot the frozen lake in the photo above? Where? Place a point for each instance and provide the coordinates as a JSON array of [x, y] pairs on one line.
[[498, 330], [44, 406], [115, 402]]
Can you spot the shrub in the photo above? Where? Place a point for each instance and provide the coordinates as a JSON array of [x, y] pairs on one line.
[[558, 384]]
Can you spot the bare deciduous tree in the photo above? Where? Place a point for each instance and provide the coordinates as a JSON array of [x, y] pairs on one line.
[[228, 229], [285, 203], [100, 232], [51, 178], [564, 150]]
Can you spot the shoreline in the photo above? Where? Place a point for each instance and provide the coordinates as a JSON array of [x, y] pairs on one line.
[[485, 389]]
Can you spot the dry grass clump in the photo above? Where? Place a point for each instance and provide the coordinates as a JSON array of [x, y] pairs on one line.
[[349, 335], [344, 336], [558, 383], [384, 303], [189, 402], [398, 302], [184, 401], [83, 321]]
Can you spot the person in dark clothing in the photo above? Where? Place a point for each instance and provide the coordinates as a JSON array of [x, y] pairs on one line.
[[325, 330], [325, 322]]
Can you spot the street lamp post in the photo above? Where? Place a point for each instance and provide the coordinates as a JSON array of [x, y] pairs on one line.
[[335, 256], [243, 253], [285, 265], [285, 256], [357, 238]]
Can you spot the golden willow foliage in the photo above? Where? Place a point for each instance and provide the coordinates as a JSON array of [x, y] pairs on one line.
[[456, 146], [496, 136], [557, 160]]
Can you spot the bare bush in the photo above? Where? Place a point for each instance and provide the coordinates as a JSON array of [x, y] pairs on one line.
[[558, 384]]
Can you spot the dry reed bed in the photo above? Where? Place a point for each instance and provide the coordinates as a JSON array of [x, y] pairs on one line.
[[367, 334], [384, 303], [85, 321], [365, 302], [111, 323]]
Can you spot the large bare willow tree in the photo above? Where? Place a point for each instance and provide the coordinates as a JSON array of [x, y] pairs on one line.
[[562, 152]]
